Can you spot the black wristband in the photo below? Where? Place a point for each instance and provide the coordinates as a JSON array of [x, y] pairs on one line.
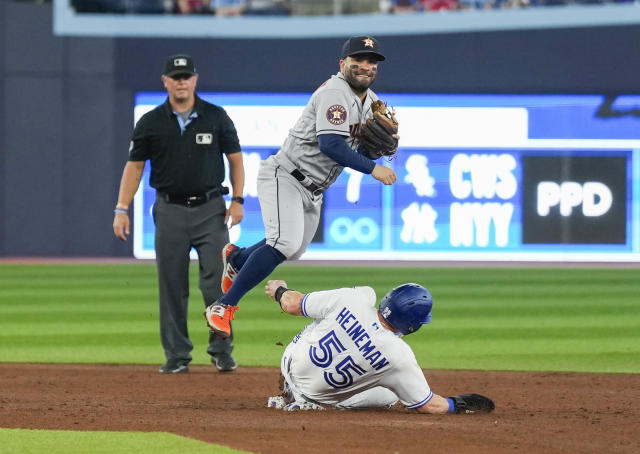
[[279, 292], [239, 200]]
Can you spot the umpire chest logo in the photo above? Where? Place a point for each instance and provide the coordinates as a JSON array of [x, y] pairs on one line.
[[204, 139], [336, 114]]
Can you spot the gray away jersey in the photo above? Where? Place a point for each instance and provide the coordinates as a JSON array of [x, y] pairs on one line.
[[333, 109]]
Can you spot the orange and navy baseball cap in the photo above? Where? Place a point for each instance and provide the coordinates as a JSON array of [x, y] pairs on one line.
[[361, 45]]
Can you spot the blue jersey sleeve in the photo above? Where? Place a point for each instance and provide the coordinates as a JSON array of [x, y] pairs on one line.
[[335, 146]]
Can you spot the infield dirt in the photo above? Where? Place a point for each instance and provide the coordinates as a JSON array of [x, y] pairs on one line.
[[535, 412]]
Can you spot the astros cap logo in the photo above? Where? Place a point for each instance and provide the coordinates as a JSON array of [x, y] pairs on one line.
[[368, 42]]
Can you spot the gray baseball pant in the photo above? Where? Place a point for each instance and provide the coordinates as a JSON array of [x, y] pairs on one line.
[[178, 228]]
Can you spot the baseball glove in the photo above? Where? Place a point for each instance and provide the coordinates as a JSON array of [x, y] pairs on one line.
[[376, 135], [472, 403]]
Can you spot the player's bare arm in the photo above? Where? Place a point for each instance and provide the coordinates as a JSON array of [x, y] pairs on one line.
[[236, 174], [289, 300], [128, 186]]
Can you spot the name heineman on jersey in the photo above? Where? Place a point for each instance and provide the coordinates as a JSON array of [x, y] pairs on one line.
[[357, 333]]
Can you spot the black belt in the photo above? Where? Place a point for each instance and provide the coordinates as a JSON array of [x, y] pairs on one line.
[[193, 200], [306, 182]]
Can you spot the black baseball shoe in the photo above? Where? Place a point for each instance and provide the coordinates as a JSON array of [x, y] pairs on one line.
[[173, 368], [224, 362]]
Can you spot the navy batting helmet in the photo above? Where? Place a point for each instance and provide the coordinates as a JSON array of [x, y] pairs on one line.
[[407, 307]]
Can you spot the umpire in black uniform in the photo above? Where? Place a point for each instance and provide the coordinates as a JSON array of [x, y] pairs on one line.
[[184, 139]]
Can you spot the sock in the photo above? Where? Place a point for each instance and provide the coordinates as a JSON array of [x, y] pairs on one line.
[[241, 257], [258, 266]]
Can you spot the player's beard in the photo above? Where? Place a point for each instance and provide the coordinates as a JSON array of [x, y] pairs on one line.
[[359, 85]]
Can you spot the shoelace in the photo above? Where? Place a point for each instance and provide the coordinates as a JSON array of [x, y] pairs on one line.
[[231, 311]]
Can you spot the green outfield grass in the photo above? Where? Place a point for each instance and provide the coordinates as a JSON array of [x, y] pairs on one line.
[[539, 319], [555, 319], [64, 442]]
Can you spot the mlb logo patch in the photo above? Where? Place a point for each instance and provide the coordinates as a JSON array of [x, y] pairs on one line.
[[179, 62], [204, 139]]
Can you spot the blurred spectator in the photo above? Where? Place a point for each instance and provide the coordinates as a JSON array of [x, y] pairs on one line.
[[439, 5], [512, 4], [91, 6], [305, 7], [119, 6], [143, 6], [475, 4], [229, 7], [192, 7], [354, 6], [553, 2], [268, 8], [402, 6]]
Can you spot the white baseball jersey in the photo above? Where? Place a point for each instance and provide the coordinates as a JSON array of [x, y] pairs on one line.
[[333, 109], [345, 352]]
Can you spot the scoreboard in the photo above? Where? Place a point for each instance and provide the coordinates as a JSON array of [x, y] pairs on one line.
[[480, 177]]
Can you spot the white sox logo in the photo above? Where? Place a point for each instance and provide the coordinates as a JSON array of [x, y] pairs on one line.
[[336, 114]]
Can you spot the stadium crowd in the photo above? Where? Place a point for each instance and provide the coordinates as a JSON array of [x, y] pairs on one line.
[[308, 7]]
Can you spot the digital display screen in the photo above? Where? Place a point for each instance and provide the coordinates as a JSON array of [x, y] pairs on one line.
[[574, 199], [480, 177]]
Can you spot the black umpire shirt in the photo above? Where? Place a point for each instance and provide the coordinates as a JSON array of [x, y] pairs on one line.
[[188, 163]]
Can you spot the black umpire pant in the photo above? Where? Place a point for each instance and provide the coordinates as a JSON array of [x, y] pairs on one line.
[[178, 228]]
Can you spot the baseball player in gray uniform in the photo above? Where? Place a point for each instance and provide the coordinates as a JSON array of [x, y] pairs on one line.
[[352, 356], [291, 183]]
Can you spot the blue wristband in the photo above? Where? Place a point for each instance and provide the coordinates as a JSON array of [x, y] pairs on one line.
[[452, 405]]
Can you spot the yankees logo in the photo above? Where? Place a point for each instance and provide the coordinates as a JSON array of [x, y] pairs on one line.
[[336, 114]]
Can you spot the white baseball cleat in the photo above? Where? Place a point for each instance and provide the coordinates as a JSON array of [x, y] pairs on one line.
[[276, 402], [303, 406]]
